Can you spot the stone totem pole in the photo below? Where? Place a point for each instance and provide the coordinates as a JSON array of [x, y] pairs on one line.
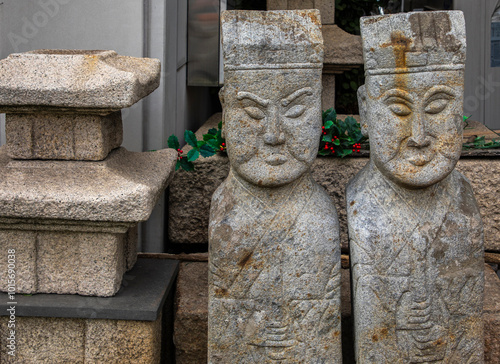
[[274, 266], [416, 235]]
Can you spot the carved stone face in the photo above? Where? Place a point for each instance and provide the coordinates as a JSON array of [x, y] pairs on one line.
[[272, 123], [414, 123]]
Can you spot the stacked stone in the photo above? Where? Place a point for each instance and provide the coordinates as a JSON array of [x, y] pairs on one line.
[[70, 196]]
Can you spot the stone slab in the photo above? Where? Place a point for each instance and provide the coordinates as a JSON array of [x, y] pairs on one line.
[[75, 79], [61, 136], [64, 340], [140, 298], [122, 188], [190, 192]]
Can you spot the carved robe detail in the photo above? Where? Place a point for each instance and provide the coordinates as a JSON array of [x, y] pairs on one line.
[[275, 300], [417, 293]]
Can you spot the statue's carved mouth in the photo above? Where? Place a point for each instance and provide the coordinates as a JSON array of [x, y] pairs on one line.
[[276, 159], [421, 160]]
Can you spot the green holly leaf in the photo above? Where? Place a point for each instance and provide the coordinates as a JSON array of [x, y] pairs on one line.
[[214, 143], [207, 151], [186, 165], [178, 165], [336, 142], [328, 124], [207, 137], [193, 154], [330, 114], [324, 152], [173, 142], [190, 138], [212, 131]]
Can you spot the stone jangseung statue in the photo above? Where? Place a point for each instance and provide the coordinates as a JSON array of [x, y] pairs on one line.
[[416, 236], [274, 267]]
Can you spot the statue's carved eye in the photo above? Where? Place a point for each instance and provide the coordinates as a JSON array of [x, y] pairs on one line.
[[437, 103], [255, 112], [399, 108], [295, 111]]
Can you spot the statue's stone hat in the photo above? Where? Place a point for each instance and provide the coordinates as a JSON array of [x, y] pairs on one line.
[[271, 39], [413, 42]]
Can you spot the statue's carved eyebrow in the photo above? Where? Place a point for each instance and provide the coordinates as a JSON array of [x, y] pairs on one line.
[[247, 95], [397, 93], [288, 100], [439, 89]]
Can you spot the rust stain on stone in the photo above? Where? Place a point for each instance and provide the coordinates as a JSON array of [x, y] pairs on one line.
[[246, 258], [221, 292]]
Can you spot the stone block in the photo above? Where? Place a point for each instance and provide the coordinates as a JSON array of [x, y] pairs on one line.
[[277, 4], [326, 7], [491, 316], [86, 263], [191, 313], [328, 93], [483, 177], [300, 4], [67, 340], [45, 340], [62, 136], [122, 188], [75, 79], [131, 246], [327, 10], [341, 48], [25, 245], [124, 341]]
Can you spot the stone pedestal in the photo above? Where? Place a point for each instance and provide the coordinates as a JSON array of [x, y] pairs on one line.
[[131, 327], [70, 197]]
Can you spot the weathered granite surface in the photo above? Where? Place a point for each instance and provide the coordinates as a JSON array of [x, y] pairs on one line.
[[415, 231], [191, 315], [190, 192], [122, 188], [62, 136], [93, 80], [491, 316], [325, 7], [67, 340], [65, 262], [274, 253]]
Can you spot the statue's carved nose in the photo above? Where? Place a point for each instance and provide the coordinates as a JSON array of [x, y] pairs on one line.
[[419, 141]]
